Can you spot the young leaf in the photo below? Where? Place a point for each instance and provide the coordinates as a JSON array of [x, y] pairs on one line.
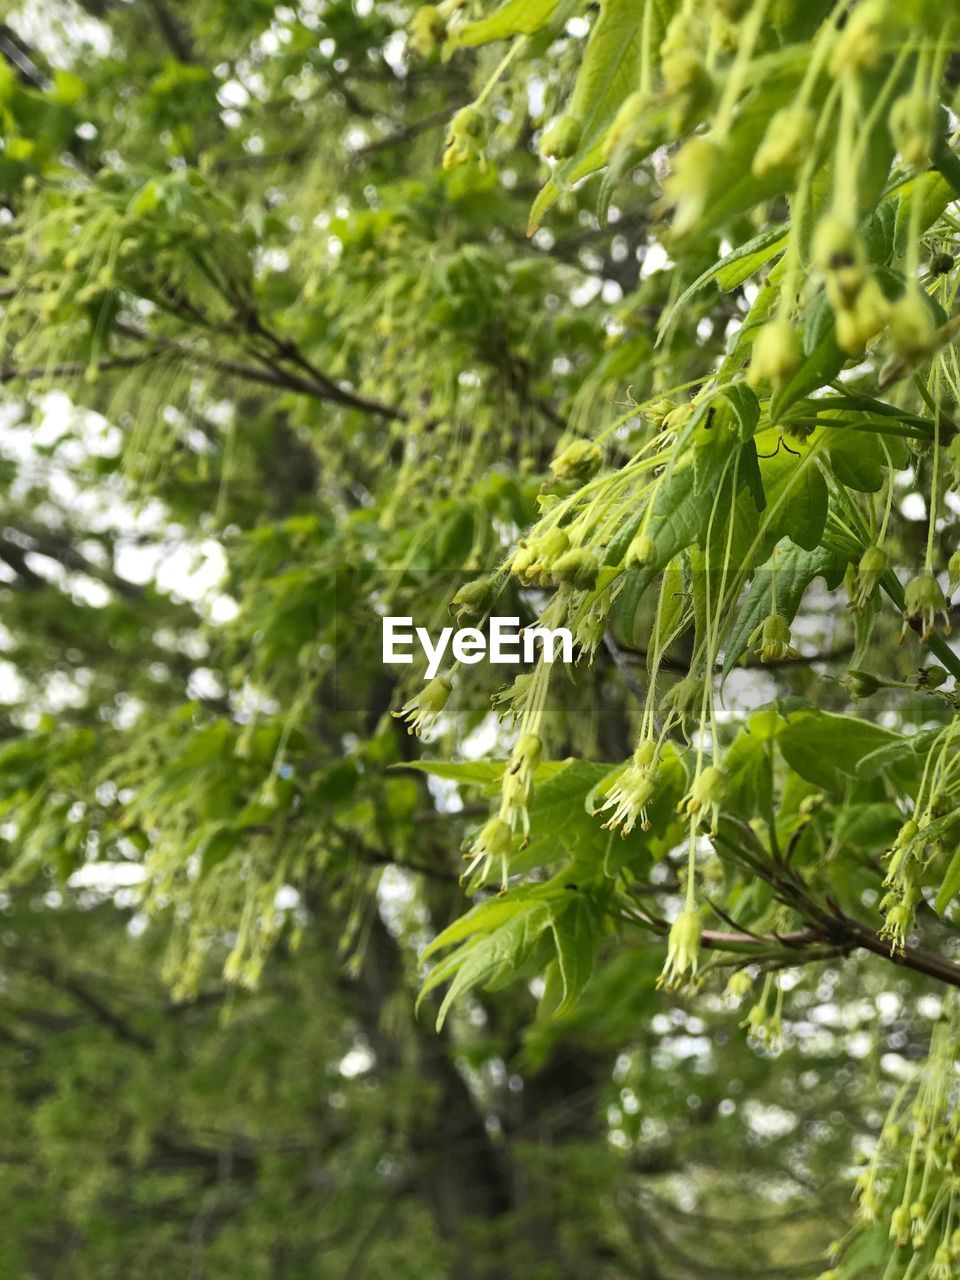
[[515, 18], [577, 933]]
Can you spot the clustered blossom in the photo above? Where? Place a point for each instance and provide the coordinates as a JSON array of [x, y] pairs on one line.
[[777, 354], [764, 1025], [902, 883], [517, 784], [910, 1182], [633, 790], [494, 841]]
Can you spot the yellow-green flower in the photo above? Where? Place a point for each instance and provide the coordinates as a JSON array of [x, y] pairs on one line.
[[424, 708], [707, 793], [683, 950], [490, 845], [633, 791]]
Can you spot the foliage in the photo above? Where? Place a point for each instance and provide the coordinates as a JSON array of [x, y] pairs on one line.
[[635, 318]]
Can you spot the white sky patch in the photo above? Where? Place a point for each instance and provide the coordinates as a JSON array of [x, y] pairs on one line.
[[59, 29], [149, 549], [107, 876], [656, 258]]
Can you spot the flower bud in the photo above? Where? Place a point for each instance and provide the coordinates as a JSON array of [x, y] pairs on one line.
[[931, 677], [861, 683], [942, 1264], [861, 321], [491, 844], [523, 558], [872, 566], [836, 244], [578, 566], [526, 753], [641, 551], [680, 62], [473, 598], [900, 1225], [683, 701], [907, 834], [923, 600], [912, 127], [860, 45], [707, 792], [786, 141], [575, 460], [464, 136], [625, 123], [738, 985], [589, 632], [562, 138], [698, 170], [633, 790], [777, 354], [913, 333]]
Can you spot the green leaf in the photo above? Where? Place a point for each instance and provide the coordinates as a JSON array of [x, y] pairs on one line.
[[515, 18], [823, 359], [480, 773], [746, 408], [857, 458], [577, 933], [796, 568], [497, 958], [749, 775], [215, 847], [827, 749], [868, 826], [731, 271], [741, 189], [676, 521], [483, 918], [607, 74], [951, 884], [797, 497]]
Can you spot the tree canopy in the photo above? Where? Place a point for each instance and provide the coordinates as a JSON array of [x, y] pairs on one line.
[[636, 318]]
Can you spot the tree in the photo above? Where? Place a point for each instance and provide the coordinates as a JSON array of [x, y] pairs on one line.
[[635, 319]]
